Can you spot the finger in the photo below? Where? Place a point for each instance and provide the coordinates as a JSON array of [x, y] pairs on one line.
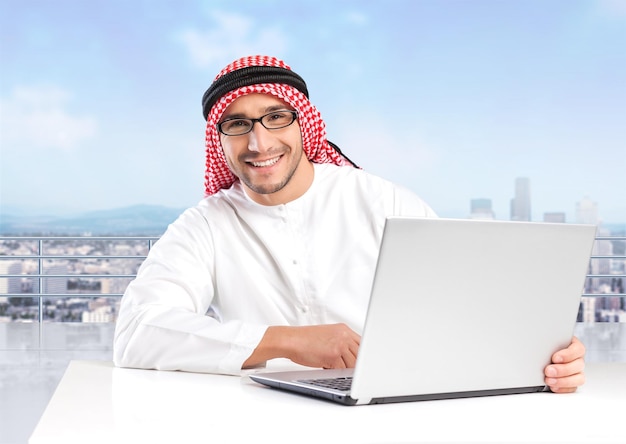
[[348, 358], [575, 350], [567, 384], [354, 348], [564, 370], [352, 355], [349, 361], [563, 390], [341, 363], [337, 363]]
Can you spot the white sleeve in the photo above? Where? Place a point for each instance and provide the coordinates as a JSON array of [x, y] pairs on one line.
[[162, 323], [407, 203]]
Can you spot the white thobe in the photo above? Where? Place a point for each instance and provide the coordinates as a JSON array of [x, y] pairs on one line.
[[229, 268]]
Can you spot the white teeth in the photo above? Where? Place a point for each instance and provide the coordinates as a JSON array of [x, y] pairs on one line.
[[266, 162]]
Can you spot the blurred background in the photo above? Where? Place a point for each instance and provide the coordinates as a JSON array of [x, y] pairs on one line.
[[100, 100], [496, 109]]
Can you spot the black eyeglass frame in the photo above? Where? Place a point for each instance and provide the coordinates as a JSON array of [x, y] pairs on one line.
[[252, 121]]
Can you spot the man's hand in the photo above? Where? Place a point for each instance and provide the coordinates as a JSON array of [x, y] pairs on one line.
[[325, 346], [566, 373]]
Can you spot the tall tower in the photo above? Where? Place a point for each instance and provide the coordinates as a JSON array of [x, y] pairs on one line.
[[520, 204], [587, 211]]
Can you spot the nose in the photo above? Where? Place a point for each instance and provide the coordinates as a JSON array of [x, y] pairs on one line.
[[259, 139]]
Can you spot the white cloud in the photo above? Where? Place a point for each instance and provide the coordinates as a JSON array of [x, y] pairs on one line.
[[231, 36], [37, 117], [613, 8]]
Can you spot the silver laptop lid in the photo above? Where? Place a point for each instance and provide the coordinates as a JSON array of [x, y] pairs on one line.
[[469, 305]]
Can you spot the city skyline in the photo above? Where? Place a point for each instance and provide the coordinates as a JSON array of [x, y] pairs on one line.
[[100, 101], [154, 219], [88, 289], [586, 210]]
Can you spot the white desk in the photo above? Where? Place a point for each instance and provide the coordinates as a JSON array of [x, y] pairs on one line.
[[96, 402]]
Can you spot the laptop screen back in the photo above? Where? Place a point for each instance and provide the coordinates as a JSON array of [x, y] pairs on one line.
[[468, 305]]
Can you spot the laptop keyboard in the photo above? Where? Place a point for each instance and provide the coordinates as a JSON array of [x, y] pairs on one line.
[[340, 383]]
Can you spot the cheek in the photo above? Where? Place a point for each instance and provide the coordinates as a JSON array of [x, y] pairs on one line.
[[223, 144], [228, 148], [232, 153], [294, 137], [229, 157]]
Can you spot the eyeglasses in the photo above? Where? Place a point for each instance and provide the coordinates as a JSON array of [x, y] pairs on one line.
[[271, 121]]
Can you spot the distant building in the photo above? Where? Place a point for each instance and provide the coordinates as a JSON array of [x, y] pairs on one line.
[[601, 266], [587, 310], [99, 310], [587, 211], [55, 285], [13, 284], [481, 209], [555, 217], [520, 204]]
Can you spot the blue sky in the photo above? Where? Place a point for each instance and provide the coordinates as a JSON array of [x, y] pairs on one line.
[[100, 100]]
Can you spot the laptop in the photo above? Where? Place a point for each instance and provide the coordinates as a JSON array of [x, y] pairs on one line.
[[459, 308]]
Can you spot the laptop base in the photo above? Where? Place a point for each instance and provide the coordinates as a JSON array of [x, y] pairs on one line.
[[345, 399], [456, 395]]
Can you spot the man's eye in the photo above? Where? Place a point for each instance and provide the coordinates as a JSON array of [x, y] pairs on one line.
[[279, 117], [237, 123]]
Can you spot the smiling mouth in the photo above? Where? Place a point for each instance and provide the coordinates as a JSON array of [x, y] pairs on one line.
[[265, 163]]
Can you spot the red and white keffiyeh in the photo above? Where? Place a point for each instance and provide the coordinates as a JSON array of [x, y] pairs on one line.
[[312, 127]]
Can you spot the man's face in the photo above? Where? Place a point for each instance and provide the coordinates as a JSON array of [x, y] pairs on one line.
[[270, 163]]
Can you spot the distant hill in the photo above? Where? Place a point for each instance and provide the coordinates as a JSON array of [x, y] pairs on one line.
[[138, 220]]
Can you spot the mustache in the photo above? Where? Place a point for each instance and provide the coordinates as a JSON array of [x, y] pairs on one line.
[[256, 157]]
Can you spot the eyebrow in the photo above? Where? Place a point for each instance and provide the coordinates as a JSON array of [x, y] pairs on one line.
[[269, 109]]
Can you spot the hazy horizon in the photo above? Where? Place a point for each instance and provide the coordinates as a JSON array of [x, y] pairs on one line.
[[455, 99], [67, 213]]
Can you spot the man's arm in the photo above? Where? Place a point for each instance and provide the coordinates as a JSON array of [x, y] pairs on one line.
[[566, 373], [320, 346], [162, 322]]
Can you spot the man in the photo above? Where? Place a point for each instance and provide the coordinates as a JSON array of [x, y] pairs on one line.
[[278, 260]]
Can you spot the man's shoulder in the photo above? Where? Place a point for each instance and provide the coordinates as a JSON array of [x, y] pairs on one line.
[[362, 186], [327, 171], [216, 204], [223, 200], [353, 180]]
